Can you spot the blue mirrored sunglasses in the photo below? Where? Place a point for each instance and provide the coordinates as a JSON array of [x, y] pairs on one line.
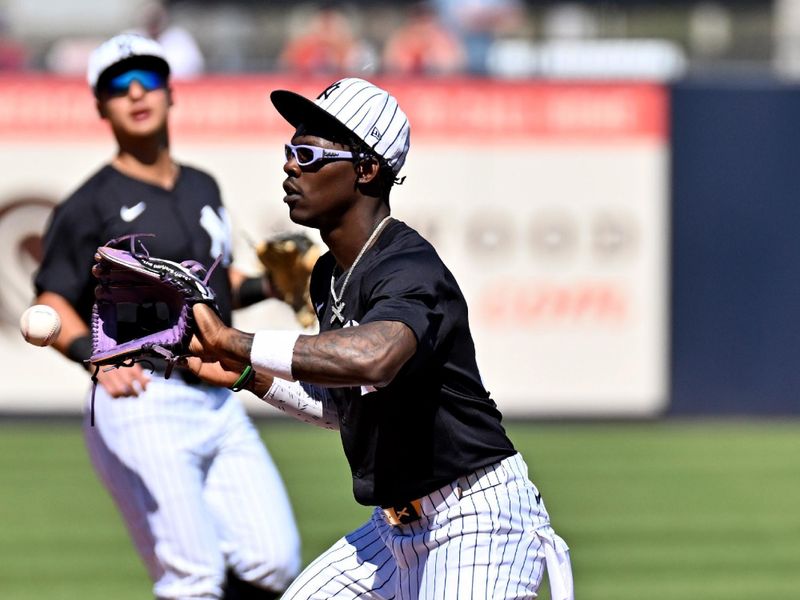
[[149, 80], [307, 155]]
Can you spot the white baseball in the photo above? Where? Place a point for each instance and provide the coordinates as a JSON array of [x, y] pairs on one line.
[[40, 325]]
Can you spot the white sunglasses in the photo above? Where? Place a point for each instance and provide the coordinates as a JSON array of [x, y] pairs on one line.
[[308, 155]]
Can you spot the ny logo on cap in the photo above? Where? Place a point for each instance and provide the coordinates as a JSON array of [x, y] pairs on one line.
[[124, 46], [329, 90]]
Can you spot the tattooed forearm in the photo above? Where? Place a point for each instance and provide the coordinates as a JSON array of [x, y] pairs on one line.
[[238, 344], [370, 354]]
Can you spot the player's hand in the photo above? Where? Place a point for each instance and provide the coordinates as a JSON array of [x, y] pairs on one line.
[[213, 340], [221, 353], [225, 374], [213, 372], [128, 381], [208, 341]]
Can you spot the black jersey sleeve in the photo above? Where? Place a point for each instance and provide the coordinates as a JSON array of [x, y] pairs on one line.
[[70, 241], [417, 290]]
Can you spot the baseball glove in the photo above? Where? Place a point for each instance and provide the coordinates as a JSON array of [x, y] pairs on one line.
[[143, 305], [288, 260]]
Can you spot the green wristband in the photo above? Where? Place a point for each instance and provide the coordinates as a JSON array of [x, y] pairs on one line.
[[244, 379]]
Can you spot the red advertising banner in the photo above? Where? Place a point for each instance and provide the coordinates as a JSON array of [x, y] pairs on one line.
[[238, 109]]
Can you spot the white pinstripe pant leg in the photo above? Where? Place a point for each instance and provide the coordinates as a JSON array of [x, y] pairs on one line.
[[491, 542], [488, 542], [359, 565], [155, 454], [485, 546], [255, 521]]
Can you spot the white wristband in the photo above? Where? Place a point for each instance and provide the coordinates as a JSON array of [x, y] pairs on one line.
[[272, 351]]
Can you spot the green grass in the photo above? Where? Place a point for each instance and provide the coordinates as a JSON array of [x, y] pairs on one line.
[[666, 510]]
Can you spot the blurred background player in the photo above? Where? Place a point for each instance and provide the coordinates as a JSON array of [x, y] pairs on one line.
[[183, 462]]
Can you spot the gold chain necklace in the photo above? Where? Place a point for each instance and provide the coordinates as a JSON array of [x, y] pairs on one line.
[[338, 304]]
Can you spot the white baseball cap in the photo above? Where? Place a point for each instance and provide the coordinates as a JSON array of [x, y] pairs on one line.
[[121, 52], [357, 106]]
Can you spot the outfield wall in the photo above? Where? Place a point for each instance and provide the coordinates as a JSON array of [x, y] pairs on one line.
[[735, 267], [548, 200]]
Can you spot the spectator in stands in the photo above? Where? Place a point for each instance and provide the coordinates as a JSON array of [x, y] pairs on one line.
[[423, 46], [327, 45], [13, 53], [69, 55], [182, 52], [478, 23]]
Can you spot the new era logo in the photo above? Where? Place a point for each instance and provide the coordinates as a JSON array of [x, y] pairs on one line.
[[375, 133]]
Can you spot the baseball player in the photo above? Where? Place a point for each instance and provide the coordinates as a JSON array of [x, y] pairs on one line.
[[393, 369], [181, 459]]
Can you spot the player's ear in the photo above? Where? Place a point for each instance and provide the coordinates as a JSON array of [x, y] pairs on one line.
[[367, 170], [170, 100]]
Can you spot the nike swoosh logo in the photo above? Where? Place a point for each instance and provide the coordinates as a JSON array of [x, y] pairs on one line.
[[129, 214], [319, 307]]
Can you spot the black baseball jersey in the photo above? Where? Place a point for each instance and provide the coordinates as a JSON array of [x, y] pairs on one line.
[[435, 422], [189, 222]]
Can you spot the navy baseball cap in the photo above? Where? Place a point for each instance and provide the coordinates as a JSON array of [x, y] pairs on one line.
[[352, 106]]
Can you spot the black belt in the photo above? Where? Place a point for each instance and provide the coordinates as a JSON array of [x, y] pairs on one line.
[[447, 495], [404, 513]]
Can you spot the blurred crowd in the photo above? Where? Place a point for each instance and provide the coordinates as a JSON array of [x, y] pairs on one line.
[[432, 37]]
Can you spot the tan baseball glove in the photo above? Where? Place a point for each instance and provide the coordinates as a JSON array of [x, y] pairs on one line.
[[288, 260]]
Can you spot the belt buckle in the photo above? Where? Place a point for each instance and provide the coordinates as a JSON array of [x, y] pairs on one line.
[[401, 515]]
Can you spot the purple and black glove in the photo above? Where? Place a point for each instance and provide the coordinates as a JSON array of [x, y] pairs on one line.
[[143, 305]]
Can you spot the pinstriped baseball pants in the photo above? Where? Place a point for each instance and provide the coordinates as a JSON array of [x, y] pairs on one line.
[[196, 487], [484, 536]]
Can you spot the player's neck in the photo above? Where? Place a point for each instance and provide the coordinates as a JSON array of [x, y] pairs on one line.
[[347, 240], [154, 166]]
